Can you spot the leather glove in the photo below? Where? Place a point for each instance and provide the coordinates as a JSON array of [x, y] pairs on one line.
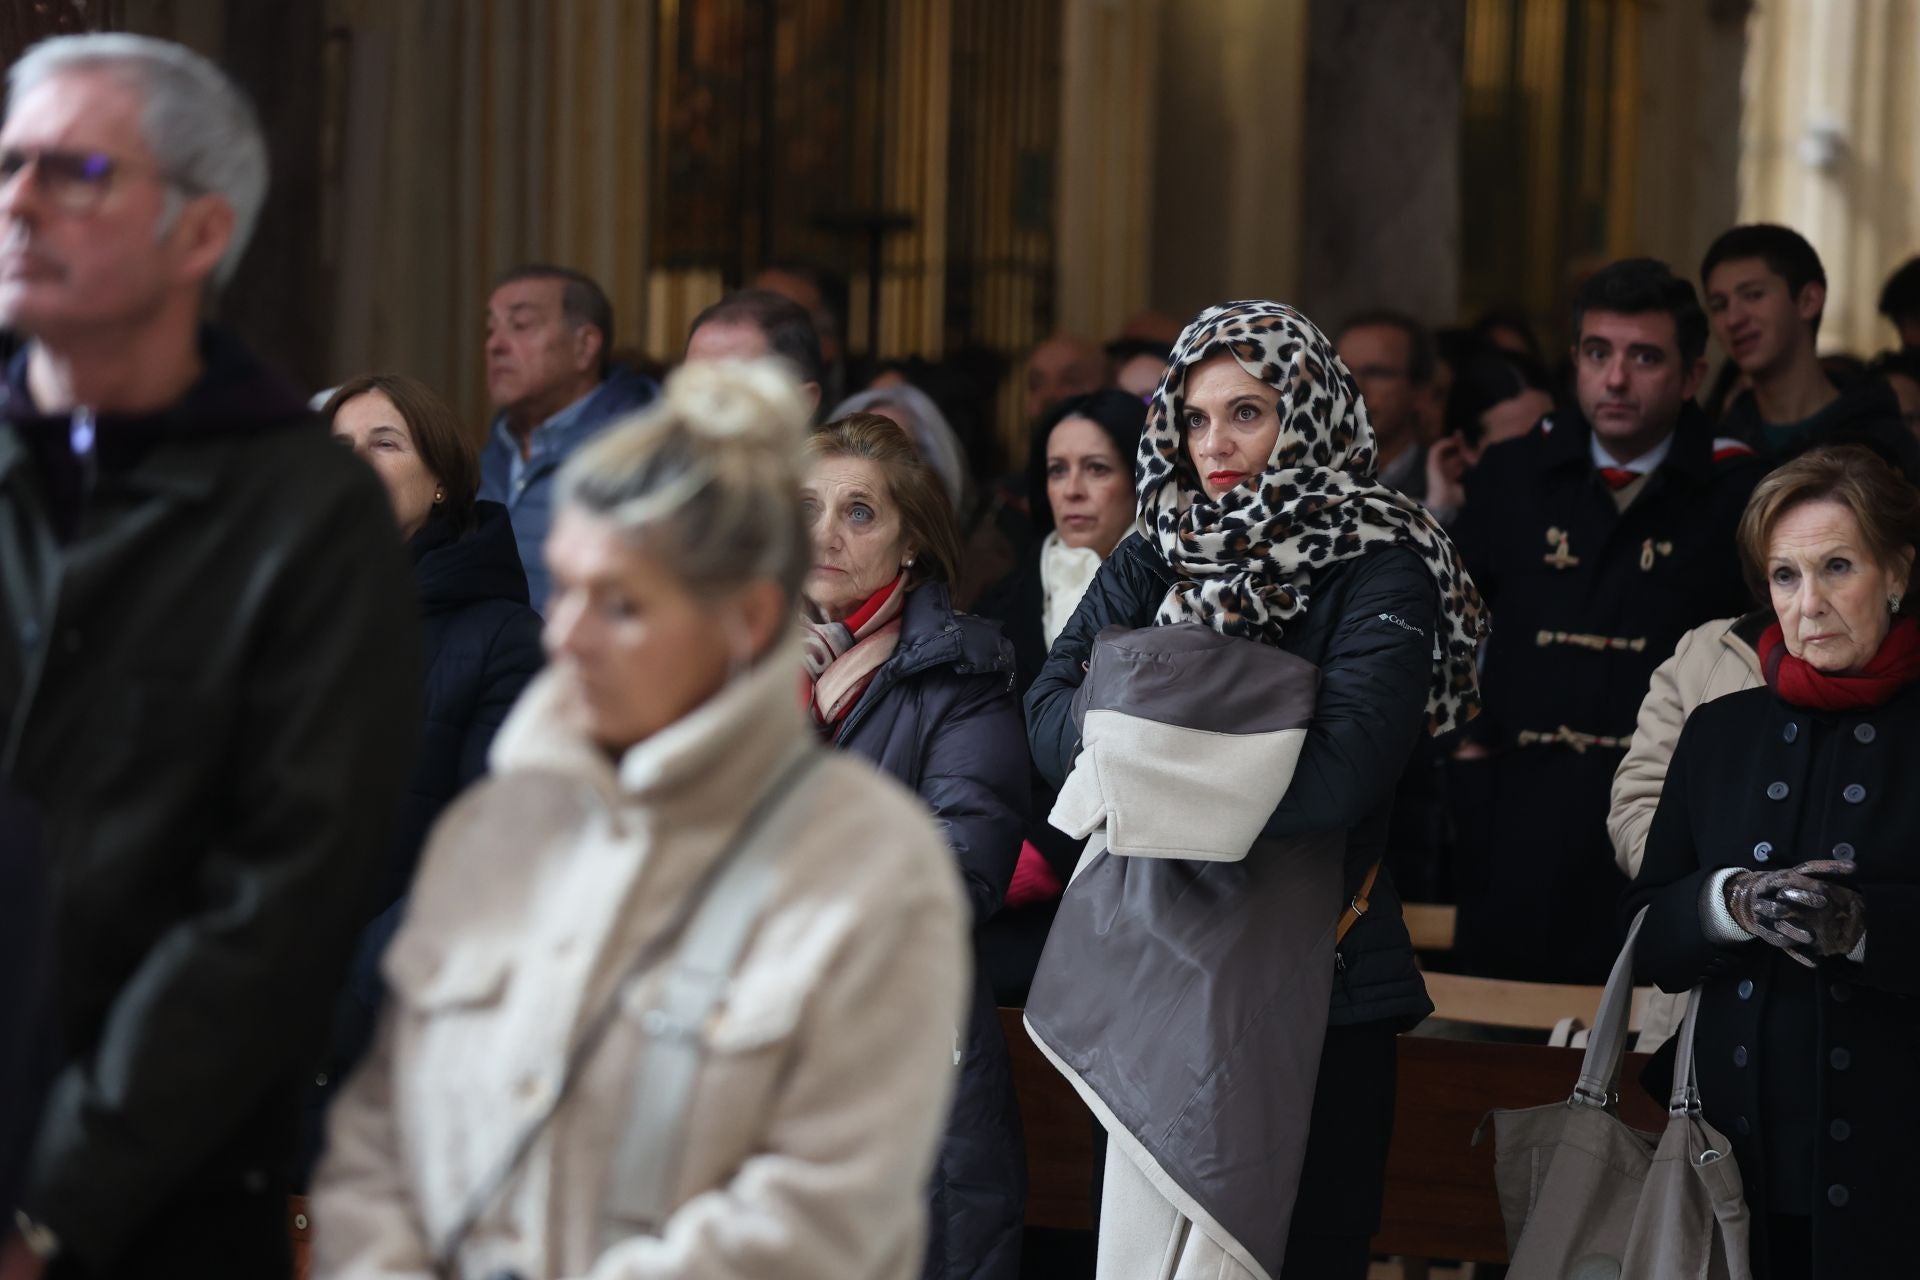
[[1797, 910]]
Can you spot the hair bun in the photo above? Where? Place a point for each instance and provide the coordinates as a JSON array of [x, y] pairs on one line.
[[756, 403]]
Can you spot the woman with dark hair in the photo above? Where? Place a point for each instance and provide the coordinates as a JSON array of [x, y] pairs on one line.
[[1081, 477], [1781, 881], [893, 673], [482, 646], [1230, 1024]]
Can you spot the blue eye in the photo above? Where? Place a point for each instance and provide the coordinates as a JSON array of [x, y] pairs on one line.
[[860, 512]]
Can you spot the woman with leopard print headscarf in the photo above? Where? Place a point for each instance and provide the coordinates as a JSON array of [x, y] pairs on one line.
[[1260, 517]]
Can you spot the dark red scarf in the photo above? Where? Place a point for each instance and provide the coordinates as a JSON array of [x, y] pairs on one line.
[[1801, 685]]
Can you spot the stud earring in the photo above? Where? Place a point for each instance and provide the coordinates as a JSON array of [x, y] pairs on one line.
[[439, 495], [1894, 601]]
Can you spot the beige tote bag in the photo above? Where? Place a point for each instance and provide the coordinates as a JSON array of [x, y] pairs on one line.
[[1586, 1197]]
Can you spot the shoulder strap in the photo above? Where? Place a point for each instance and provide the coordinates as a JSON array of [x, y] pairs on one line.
[[751, 843], [646, 1166], [1685, 1096], [1600, 1069], [1356, 905]]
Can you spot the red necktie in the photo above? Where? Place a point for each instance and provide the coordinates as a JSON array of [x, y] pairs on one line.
[[1618, 477]]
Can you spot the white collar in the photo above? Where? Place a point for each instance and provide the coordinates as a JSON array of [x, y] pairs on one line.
[[1642, 465]]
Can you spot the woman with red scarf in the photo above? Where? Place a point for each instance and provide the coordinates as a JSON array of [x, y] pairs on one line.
[[894, 674], [1782, 877]]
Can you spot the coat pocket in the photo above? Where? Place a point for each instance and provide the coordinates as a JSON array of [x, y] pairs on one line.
[[761, 1008], [443, 978]]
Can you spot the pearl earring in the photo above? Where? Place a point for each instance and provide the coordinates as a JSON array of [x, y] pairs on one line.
[[439, 495]]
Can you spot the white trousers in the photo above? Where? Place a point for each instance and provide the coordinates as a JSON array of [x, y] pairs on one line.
[[1144, 1237]]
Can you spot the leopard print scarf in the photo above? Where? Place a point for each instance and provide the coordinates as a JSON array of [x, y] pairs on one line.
[[1246, 563]]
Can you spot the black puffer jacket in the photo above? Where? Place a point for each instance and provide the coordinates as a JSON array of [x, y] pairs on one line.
[[941, 717], [1369, 628], [483, 646]]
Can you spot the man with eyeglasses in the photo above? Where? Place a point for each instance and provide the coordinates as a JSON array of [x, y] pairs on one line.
[[1390, 355], [208, 674]]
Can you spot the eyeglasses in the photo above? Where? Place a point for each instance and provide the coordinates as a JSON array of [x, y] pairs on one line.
[[76, 181]]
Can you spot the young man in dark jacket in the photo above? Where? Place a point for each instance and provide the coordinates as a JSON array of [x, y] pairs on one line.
[[1765, 292], [208, 680]]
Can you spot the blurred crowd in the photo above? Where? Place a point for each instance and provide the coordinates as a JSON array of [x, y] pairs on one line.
[[597, 844]]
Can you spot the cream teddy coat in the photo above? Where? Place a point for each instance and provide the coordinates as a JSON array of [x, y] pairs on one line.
[[815, 1118]]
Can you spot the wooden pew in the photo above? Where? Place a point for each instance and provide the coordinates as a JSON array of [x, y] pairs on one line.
[[1429, 924], [1059, 1131], [1440, 1199]]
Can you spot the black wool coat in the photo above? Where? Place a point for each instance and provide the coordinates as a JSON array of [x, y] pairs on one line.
[[1369, 628], [1810, 1074], [1576, 638], [209, 677], [941, 717]]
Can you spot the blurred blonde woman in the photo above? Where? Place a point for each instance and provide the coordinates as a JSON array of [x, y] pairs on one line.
[[677, 988]]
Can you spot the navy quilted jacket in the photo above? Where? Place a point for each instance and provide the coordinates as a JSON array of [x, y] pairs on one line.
[[941, 716]]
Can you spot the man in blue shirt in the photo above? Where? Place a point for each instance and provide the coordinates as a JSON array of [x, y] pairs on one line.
[[553, 387]]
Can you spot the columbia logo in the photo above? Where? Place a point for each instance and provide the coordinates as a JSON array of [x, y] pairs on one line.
[[1399, 622]]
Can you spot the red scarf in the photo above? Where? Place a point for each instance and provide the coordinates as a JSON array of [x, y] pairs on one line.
[[1801, 685], [843, 657]]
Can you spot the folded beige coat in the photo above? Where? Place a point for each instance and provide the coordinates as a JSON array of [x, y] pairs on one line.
[[1188, 740]]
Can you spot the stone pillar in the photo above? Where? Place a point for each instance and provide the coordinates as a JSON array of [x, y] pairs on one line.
[[1380, 171]]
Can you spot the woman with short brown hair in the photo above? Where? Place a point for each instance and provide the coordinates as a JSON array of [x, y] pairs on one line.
[[1789, 819], [895, 674]]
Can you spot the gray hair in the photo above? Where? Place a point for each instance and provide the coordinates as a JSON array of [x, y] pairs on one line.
[[201, 129], [707, 477], [938, 445]]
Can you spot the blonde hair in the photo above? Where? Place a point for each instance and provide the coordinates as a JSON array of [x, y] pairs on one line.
[[912, 483], [707, 477], [1886, 507]]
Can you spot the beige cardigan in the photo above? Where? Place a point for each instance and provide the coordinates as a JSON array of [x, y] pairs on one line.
[[817, 1112], [1709, 662]]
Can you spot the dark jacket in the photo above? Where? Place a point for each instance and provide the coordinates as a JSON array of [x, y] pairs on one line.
[[1011, 942], [24, 981], [941, 717], [1866, 413], [1576, 638], [1360, 629], [528, 497], [482, 647], [210, 679], [1808, 1072]]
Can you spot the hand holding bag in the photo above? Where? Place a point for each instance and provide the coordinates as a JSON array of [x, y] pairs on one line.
[[1586, 1197]]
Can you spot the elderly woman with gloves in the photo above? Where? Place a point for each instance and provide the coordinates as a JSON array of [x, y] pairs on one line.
[[1782, 878], [1232, 1021]]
